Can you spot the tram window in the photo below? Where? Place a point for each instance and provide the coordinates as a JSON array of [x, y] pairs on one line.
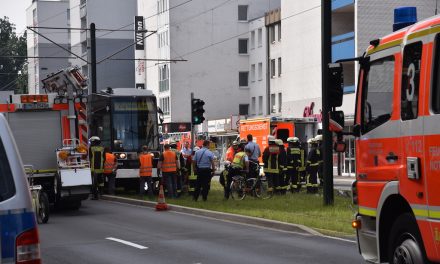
[[412, 57], [435, 94]]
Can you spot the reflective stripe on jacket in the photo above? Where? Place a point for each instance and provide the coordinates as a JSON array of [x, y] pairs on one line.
[[169, 163], [109, 164], [146, 165], [97, 159], [238, 161]]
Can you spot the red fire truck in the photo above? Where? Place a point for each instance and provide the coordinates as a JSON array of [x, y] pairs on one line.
[[398, 144]]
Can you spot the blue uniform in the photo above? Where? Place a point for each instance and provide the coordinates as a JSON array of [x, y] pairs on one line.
[[203, 161]]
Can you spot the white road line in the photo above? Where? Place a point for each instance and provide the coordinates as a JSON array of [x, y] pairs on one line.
[[126, 243]]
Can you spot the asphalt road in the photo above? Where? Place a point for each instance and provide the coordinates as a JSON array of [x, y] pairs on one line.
[[101, 232]]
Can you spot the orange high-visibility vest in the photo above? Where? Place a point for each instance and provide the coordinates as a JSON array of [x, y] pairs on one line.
[[109, 164], [230, 153], [169, 163], [146, 168]]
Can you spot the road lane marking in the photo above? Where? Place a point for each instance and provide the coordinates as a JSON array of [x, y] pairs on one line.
[[126, 243]]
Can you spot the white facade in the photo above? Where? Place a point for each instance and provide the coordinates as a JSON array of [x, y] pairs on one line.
[[207, 34], [41, 14], [106, 14], [257, 67], [301, 47], [276, 82]]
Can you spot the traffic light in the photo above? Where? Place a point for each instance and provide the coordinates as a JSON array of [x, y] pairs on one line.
[[336, 85], [197, 111]]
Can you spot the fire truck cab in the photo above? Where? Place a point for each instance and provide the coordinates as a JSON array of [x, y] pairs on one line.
[[398, 145]]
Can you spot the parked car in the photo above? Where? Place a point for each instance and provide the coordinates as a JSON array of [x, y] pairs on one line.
[[18, 228]]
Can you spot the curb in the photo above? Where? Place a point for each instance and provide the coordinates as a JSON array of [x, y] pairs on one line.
[[273, 224]]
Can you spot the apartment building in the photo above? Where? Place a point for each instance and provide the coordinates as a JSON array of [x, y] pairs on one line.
[[46, 14], [213, 36], [117, 71]]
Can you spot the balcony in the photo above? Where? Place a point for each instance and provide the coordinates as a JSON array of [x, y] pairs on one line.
[[336, 4], [343, 46]]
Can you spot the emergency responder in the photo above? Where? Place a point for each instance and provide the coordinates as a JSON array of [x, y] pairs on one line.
[[204, 166], [239, 164], [318, 140], [293, 162], [186, 153], [169, 165], [312, 167], [229, 157], [146, 172], [270, 159], [192, 178], [283, 182], [254, 149], [96, 165], [110, 166], [180, 159], [230, 153]]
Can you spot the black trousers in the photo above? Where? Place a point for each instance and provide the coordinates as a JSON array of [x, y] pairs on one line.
[[97, 183], [111, 178], [203, 183], [231, 172]]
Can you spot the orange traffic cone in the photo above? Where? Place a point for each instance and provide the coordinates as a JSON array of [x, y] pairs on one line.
[[161, 204]]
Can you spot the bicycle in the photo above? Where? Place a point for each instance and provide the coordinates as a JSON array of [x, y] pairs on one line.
[[40, 200], [258, 187]]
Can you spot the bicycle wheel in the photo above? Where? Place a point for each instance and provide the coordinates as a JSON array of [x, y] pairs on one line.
[[237, 188], [262, 189], [43, 208]]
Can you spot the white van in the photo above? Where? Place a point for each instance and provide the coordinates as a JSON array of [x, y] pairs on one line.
[[18, 229]]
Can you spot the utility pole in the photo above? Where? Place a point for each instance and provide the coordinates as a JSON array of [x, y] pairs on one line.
[[326, 26], [93, 56]]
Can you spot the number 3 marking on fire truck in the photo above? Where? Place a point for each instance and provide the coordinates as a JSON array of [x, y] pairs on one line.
[[410, 90]]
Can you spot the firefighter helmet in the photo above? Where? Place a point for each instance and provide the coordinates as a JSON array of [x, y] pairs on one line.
[[293, 140], [235, 143], [279, 142], [311, 141], [318, 138], [94, 140], [270, 139]]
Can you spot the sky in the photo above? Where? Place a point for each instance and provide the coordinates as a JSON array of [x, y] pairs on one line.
[[16, 11]]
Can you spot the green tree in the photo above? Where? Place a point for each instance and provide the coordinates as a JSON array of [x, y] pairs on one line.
[[13, 50]]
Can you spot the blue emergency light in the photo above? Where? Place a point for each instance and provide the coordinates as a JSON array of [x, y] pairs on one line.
[[404, 16]]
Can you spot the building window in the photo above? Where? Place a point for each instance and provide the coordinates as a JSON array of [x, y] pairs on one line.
[[280, 98], [242, 13], [279, 32], [279, 66], [272, 34], [253, 73], [272, 68], [253, 102], [260, 37], [165, 105], [260, 71], [243, 109], [243, 46], [272, 103], [243, 79], [260, 105], [253, 40], [164, 76]]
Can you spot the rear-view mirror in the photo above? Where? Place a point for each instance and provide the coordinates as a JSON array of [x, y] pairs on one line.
[[336, 84]]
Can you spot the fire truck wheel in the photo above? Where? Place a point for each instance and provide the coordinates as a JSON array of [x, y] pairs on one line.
[[405, 243]]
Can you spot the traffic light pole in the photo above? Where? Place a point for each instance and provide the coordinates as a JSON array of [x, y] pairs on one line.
[[192, 126], [326, 25]]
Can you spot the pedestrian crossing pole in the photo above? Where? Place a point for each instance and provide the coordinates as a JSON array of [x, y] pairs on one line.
[[326, 25]]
